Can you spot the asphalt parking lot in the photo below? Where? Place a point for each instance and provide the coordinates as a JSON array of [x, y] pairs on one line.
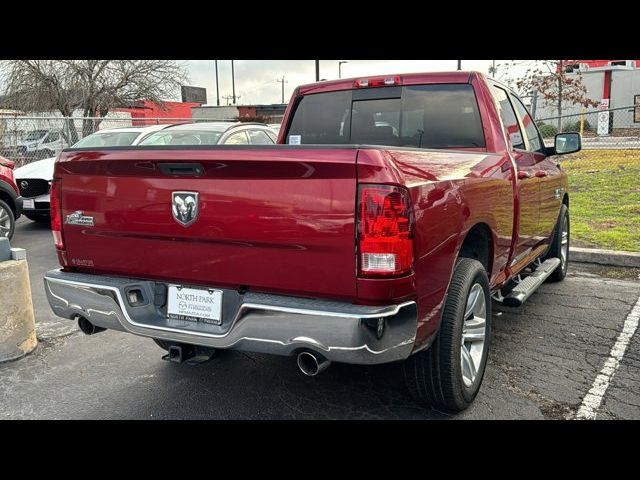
[[545, 357]]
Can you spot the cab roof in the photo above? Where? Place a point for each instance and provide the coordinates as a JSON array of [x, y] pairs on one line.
[[407, 79]]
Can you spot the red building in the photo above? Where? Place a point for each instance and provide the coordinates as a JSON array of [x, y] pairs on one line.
[[599, 63], [605, 66], [146, 112]]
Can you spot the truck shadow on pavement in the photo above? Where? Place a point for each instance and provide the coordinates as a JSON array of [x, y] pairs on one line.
[[243, 385], [27, 225]]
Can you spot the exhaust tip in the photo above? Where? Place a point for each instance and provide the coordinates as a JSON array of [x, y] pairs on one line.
[[87, 327], [311, 364]]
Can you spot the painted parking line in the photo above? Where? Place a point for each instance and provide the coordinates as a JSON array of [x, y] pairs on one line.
[[591, 402]]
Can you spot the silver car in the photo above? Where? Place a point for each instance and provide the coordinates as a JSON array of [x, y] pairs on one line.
[[213, 133]]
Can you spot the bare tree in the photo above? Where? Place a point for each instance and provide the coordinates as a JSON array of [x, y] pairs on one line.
[[551, 80], [92, 86]]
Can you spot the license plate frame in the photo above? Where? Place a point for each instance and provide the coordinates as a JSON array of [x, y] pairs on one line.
[[28, 204], [199, 305]]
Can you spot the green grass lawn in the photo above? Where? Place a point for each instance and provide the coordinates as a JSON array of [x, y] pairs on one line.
[[604, 196]]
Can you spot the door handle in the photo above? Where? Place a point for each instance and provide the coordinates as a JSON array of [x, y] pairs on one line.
[[181, 169], [541, 173], [522, 175]]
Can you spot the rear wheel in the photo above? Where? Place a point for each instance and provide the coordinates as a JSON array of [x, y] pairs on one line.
[[448, 375], [560, 245], [7, 220]]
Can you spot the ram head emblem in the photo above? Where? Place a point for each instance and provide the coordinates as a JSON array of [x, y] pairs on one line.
[[184, 206]]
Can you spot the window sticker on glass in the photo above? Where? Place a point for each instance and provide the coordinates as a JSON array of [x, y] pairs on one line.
[[516, 138], [295, 139]]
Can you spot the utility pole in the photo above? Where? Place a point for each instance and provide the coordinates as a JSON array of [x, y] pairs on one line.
[[217, 86], [317, 70], [283, 81], [560, 80], [233, 83], [492, 69], [459, 64], [339, 67]]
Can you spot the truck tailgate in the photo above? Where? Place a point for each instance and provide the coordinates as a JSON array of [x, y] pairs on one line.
[[274, 219]]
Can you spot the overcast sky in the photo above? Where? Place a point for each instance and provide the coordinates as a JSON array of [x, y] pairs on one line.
[[256, 80]]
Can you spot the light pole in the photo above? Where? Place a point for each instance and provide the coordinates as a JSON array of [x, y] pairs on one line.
[[317, 70], [340, 67], [233, 84], [459, 64], [217, 86]]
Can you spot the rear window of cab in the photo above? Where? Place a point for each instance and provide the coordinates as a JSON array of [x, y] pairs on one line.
[[422, 116]]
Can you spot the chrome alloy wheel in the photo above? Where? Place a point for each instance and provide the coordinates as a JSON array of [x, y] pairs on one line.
[[564, 247], [5, 223], [473, 334]]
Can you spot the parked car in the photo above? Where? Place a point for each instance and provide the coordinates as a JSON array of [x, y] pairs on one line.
[[366, 244], [213, 133], [10, 199], [34, 179], [42, 143], [275, 127]]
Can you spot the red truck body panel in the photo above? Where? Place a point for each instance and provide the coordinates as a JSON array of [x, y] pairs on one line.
[[6, 174], [451, 192], [269, 219]]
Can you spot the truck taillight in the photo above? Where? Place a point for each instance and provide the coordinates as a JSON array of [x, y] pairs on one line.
[[385, 231], [378, 82], [56, 213]]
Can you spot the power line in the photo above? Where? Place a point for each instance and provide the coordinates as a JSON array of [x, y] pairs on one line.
[[231, 97]]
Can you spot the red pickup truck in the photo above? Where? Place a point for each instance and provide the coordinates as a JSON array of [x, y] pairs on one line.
[[379, 229]]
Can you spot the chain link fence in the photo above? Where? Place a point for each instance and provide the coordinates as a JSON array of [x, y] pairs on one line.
[[26, 139], [604, 178], [612, 129]]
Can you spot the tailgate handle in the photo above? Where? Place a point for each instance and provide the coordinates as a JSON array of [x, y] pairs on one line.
[[181, 169]]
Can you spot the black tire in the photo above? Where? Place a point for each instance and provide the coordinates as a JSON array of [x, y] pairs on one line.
[[6, 218], [434, 376], [555, 250]]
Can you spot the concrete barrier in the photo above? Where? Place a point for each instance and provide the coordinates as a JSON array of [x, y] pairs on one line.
[[17, 322], [605, 257]]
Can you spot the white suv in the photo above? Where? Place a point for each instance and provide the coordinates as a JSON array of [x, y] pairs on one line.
[[38, 144]]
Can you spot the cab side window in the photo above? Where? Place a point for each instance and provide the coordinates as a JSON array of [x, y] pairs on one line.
[[508, 116], [530, 130]]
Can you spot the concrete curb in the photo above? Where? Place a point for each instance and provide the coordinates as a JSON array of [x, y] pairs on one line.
[[613, 258]]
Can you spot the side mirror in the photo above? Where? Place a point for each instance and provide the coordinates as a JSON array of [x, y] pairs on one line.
[[567, 143]]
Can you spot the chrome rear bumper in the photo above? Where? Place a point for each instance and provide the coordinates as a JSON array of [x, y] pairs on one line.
[[275, 324]]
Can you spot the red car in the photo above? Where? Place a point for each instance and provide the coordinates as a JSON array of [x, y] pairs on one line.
[[393, 211], [10, 199]]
